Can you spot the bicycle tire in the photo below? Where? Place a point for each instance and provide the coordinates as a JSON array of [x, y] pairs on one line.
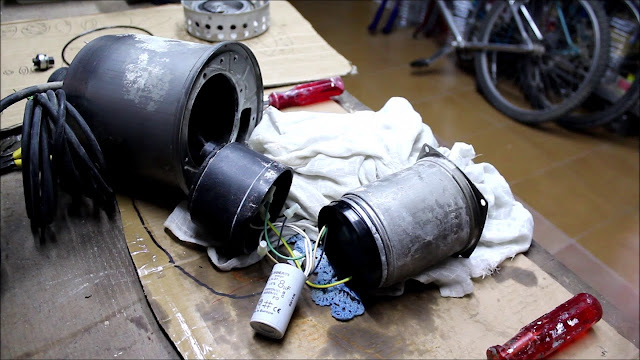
[[532, 105], [626, 101], [607, 115]]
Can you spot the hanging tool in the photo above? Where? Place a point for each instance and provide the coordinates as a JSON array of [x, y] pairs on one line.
[[390, 21], [392, 18], [305, 94], [551, 331], [376, 19]]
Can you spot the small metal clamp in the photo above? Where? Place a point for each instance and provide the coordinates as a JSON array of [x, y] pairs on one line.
[[43, 62]]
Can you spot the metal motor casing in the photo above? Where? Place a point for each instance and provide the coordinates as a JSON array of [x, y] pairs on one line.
[[398, 226], [229, 191], [152, 103]]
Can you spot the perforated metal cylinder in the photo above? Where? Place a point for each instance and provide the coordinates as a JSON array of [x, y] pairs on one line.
[[213, 20]]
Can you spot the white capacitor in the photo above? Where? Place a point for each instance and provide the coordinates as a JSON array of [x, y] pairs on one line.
[[278, 300]]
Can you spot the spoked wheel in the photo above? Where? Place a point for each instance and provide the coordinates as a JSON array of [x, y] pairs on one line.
[[541, 86], [619, 88]]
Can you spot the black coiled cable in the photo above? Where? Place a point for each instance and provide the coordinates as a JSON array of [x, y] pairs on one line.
[[53, 154]]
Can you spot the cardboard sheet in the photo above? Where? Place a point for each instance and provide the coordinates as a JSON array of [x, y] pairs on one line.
[[206, 312], [289, 52]]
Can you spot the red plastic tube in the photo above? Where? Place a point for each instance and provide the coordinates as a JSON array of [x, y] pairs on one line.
[[308, 93], [551, 331]]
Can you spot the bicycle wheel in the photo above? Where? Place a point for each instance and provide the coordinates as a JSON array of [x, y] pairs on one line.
[[619, 89], [465, 58], [543, 86]]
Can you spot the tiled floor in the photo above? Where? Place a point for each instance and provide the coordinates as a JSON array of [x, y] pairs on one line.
[[583, 189]]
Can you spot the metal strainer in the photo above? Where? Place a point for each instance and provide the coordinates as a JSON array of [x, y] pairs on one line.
[[214, 20]]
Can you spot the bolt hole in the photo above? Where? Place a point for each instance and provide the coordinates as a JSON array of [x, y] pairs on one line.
[[204, 76], [245, 25], [221, 61], [197, 24], [233, 27], [235, 57], [220, 27], [208, 26], [482, 202]]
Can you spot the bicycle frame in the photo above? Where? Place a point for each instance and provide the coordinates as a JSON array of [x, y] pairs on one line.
[[528, 47], [461, 43]]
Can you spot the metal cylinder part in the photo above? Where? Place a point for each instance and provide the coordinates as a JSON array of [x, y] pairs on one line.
[[153, 103], [398, 226], [43, 61], [215, 20], [229, 191]]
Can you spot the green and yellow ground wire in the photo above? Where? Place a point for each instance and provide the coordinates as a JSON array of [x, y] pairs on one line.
[[321, 235]]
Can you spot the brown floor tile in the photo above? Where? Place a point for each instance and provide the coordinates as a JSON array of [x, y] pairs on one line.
[[513, 155], [340, 23], [453, 119], [615, 243], [376, 89], [473, 100], [372, 54], [611, 174], [553, 142], [620, 293], [546, 233], [562, 198]]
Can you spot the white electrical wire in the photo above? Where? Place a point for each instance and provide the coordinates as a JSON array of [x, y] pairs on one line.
[[310, 250], [309, 263]]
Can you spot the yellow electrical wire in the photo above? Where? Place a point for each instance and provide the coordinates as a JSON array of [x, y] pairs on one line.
[[317, 286], [285, 243]]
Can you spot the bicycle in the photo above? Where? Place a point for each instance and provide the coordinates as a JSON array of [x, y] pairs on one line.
[[535, 61], [616, 96]]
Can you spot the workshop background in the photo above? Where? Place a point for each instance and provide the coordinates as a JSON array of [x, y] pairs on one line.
[[586, 185], [583, 188]]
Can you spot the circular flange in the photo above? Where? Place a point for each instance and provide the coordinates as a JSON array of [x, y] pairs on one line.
[[213, 20]]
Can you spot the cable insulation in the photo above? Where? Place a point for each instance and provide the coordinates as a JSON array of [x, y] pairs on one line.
[[52, 154], [64, 48], [27, 92]]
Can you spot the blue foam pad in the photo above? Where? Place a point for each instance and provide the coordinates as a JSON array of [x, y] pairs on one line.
[[345, 304]]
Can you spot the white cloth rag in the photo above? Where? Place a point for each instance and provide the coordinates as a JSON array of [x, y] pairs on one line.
[[334, 153]]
